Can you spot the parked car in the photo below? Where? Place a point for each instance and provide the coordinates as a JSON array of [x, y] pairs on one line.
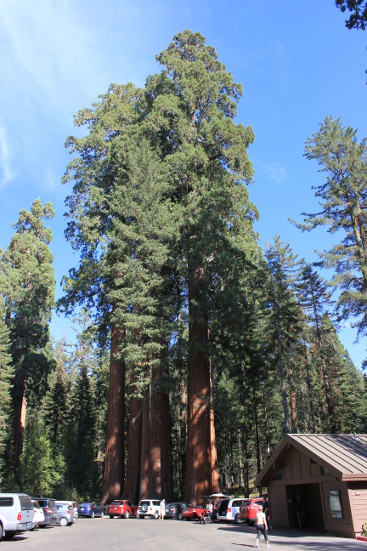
[[38, 514], [250, 508], [174, 510], [90, 509], [65, 514], [148, 508], [193, 512], [48, 505], [122, 508], [16, 514], [229, 509], [69, 503]]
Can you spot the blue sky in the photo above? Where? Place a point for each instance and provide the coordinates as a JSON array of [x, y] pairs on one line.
[[296, 60]]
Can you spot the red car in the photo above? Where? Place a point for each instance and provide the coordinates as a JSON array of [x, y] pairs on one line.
[[193, 512], [122, 508], [250, 508]]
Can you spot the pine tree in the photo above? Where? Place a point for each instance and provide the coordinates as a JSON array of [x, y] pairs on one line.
[[37, 468], [6, 375], [286, 319], [342, 209], [29, 299]]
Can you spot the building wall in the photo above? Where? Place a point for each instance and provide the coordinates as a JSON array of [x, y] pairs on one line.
[[297, 470], [278, 504], [357, 492], [342, 526]]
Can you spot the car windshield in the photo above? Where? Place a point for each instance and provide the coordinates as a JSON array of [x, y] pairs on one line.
[[144, 503], [116, 502], [246, 503]]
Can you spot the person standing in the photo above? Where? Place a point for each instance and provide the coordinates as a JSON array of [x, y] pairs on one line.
[[209, 510], [261, 527], [267, 512], [298, 507], [162, 507]]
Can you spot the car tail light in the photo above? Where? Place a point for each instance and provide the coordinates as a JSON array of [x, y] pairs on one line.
[[19, 517], [150, 508], [229, 510], [48, 510]]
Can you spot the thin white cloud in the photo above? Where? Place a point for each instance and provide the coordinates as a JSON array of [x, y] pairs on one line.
[[274, 171], [7, 172], [47, 51]]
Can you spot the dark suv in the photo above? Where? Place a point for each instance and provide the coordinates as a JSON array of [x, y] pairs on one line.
[[48, 505]]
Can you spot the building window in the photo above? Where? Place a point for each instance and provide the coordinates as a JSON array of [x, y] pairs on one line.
[[335, 503]]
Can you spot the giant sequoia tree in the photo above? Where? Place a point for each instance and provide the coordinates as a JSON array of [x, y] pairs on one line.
[[159, 188], [209, 163]]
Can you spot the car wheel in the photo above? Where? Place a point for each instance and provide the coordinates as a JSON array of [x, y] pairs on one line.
[[127, 514], [237, 519], [156, 514], [144, 508], [63, 521], [1, 532], [179, 516], [111, 516], [92, 515]]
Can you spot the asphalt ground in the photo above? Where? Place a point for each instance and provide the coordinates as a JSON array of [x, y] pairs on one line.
[[169, 535]]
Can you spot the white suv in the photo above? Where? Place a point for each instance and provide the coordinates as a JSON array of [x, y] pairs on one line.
[[16, 514], [148, 508]]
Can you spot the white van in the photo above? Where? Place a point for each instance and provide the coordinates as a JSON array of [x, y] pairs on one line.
[[16, 514], [229, 509]]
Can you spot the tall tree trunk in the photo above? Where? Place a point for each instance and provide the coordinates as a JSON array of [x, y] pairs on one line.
[[198, 462], [113, 475], [132, 478], [145, 447], [159, 464], [292, 386], [257, 440], [215, 487], [183, 431], [19, 420]]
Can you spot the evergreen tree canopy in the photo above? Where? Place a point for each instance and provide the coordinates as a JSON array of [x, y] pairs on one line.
[[343, 205]]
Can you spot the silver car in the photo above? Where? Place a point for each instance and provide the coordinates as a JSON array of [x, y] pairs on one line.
[[65, 514]]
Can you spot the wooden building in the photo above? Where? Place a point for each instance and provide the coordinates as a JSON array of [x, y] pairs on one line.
[[329, 474]]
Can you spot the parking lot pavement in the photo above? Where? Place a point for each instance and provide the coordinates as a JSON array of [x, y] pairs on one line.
[[169, 535]]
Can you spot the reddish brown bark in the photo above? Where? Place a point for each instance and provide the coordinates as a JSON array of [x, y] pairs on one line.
[[114, 460], [19, 419], [132, 478], [145, 437], [160, 472], [213, 444], [198, 462]]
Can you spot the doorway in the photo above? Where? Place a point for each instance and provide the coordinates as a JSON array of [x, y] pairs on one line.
[[312, 511]]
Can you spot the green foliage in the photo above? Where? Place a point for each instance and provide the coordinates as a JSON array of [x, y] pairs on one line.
[[6, 375], [358, 13], [39, 471], [343, 204]]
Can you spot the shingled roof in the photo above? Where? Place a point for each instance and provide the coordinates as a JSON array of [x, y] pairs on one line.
[[344, 455]]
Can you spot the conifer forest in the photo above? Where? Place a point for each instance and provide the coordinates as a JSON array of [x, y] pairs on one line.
[[195, 348]]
